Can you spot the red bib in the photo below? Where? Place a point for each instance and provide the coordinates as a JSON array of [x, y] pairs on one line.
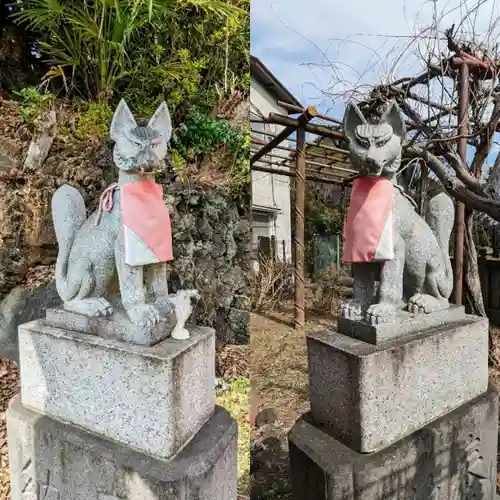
[[369, 228], [147, 229]]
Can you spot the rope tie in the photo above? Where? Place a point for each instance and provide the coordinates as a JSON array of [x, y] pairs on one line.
[[106, 201]]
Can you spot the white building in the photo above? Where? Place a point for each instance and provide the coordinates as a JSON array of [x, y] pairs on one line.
[[271, 207]]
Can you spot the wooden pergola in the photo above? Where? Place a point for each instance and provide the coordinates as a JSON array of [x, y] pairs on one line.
[[304, 163]]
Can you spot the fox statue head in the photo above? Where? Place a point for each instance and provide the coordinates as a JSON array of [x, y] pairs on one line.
[[140, 150], [375, 148]]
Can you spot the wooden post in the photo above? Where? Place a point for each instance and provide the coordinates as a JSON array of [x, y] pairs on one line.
[[300, 188], [290, 127], [463, 97]]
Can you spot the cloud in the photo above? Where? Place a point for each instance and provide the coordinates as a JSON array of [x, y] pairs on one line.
[[347, 43]]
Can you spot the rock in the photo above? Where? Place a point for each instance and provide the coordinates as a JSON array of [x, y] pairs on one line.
[[211, 254], [6, 163], [238, 320], [20, 306]]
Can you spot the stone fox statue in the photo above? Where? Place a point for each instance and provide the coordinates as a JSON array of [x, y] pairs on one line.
[[128, 238], [385, 239]]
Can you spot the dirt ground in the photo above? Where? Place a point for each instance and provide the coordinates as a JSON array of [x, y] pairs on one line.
[[9, 386], [278, 374]]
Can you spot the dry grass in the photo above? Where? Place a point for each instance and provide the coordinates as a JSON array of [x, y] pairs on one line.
[[273, 284], [278, 370], [9, 386], [235, 400]]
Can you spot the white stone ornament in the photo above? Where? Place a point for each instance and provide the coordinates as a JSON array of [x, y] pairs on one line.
[[182, 301]]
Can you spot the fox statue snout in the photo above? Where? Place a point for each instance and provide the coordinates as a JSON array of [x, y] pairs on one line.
[[373, 166], [148, 162]]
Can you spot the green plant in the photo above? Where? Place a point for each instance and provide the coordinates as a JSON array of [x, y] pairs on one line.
[[93, 121], [236, 401], [97, 48], [178, 164], [33, 103], [200, 135]]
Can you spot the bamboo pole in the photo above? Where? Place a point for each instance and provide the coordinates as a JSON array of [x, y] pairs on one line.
[[322, 166], [260, 142], [310, 144], [293, 109], [314, 129], [291, 173]]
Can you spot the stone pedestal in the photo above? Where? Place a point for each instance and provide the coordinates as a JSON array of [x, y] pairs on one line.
[[371, 396], [454, 458], [102, 419], [406, 414], [54, 461], [153, 399]]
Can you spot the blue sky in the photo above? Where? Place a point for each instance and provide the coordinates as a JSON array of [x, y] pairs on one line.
[[321, 48]]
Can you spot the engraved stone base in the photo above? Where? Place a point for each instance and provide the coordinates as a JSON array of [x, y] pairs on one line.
[[404, 324], [153, 399], [116, 327], [453, 458], [53, 461], [371, 396]]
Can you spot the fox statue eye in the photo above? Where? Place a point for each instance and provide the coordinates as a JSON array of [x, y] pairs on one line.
[[363, 142]]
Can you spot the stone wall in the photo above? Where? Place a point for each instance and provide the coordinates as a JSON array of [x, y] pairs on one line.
[[210, 232], [211, 254]]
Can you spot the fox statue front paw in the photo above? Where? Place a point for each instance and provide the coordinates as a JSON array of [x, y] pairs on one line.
[[144, 315], [381, 313]]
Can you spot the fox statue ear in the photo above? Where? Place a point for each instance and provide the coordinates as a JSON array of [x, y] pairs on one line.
[[392, 116], [352, 118], [123, 119], [161, 121]]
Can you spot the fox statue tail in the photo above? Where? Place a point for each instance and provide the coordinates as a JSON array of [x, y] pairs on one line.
[[68, 216], [441, 217]]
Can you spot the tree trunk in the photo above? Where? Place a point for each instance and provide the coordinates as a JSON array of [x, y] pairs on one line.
[[472, 281]]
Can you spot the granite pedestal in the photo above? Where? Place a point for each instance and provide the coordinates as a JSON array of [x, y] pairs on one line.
[[373, 395], [102, 419], [53, 461], [407, 414], [453, 458], [153, 399]]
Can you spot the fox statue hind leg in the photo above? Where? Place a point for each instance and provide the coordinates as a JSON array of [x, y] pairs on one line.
[[75, 278], [438, 277]]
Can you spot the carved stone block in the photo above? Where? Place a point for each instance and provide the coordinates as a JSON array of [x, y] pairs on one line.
[[153, 399], [371, 396], [404, 325], [52, 461], [116, 327], [454, 458]]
